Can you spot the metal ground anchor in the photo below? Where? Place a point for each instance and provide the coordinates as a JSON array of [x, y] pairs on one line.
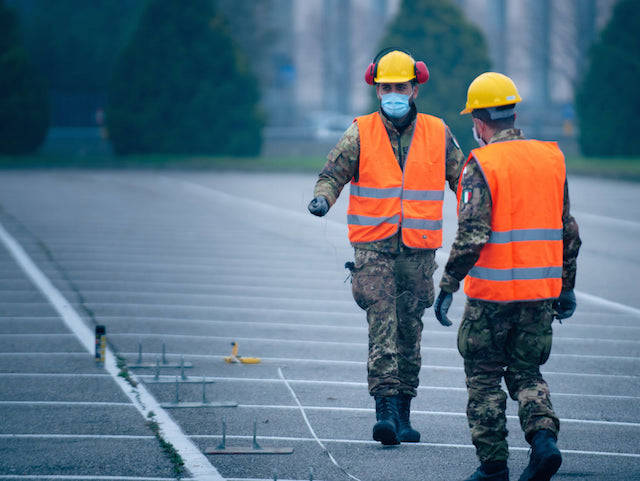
[[255, 448], [165, 364], [205, 402]]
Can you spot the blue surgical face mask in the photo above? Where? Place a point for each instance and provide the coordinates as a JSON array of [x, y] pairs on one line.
[[395, 105]]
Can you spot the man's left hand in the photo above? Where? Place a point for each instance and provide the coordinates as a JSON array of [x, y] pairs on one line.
[[565, 305]]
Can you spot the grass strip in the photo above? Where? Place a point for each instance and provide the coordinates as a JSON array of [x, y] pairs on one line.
[[176, 460], [624, 168], [165, 161]]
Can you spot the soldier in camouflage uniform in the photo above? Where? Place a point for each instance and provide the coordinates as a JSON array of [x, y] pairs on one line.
[[504, 339], [392, 282]]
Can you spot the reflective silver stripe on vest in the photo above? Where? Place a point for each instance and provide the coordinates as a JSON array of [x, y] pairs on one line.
[[525, 235], [518, 274], [423, 195], [375, 193], [366, 220], [423, 224]]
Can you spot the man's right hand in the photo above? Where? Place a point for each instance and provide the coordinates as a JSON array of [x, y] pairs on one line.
[[443, 302], [319, 206]]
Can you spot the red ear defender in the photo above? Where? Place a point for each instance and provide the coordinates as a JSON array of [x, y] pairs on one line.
[[370, 73], [422, 72]]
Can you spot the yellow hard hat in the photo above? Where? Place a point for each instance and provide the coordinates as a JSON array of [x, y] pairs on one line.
[[491, 89], [395, 67]]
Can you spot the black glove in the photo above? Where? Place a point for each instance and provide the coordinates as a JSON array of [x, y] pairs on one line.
[[319, 206], [443, 302], [565, 305]]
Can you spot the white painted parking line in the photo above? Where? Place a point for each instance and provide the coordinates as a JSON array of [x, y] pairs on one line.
[[612, 221], [67, 403], [306, 327], [339, 362], [78, 354], [52, 374], [335, 343], [87, 477], [356, 327], [194, 460], [430, 413], [607, 303], [410, 445], [313, 433], [265, 479], [73, 436]]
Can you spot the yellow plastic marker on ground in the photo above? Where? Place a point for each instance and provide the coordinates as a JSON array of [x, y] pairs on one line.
[[235, 358]]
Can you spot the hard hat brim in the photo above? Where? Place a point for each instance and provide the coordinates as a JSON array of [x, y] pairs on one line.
[[466, 110], [393, 80]]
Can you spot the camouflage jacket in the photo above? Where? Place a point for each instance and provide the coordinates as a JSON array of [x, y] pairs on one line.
[[474, 226], [342, 166]]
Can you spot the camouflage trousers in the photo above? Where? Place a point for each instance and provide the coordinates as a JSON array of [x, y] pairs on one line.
[[394, 290], [511, 341]]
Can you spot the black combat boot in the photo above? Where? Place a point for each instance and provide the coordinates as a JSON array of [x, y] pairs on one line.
[[545, 458], [491, 471], [386, 429], [406, 433]]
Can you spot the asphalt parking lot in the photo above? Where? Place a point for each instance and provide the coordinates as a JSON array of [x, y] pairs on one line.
[[188, 262]]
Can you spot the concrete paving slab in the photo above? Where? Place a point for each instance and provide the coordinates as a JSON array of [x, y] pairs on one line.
[[51, 418], [83, 456]]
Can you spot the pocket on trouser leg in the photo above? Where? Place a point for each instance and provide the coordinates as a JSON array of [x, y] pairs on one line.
[[372, 279], [531, 346], [474, 335]]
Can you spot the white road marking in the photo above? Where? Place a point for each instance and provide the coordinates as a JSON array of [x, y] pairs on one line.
[[72, 436], [313, 433], [52, 374], [607, 303], [364, 385], [87, 477], [357, 324], [309, 381], [337, 344], [67, 403], [307, 327], [411, 445], [612, 221], [433, 413], [363, 363], [357, 329], [194, 460]]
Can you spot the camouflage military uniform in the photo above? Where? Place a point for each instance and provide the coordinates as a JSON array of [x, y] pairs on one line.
[[494, 336], [391, 282]]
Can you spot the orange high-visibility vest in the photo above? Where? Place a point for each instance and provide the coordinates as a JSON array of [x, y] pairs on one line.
[[522, 261], [386, 198]]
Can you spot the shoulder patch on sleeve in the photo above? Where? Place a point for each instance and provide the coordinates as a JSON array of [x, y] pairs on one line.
[[466, 196]]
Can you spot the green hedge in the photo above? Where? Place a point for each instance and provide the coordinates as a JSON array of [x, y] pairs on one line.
[[181, 86], [608, 100], [24, 103]]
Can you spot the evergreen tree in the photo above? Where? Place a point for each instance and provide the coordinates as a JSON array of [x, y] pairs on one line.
[[24, 107], [608, 100], [181, 86], [436, 32], [78, 57]]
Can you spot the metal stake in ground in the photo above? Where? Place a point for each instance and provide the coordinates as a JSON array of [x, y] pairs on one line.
[[254, 449], [182, 365]]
